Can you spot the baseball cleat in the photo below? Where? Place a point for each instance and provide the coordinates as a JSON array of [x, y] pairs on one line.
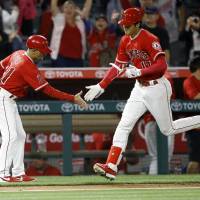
[[5, 179], [104, 170], [22, 178]]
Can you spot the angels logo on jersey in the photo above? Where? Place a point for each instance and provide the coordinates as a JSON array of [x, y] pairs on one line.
[[135, 53], [156, 45]]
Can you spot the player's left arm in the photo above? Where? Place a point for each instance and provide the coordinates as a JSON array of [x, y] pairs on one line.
[[35, 79], [159, 65], [157, 69], [114, 71], [118, 67]]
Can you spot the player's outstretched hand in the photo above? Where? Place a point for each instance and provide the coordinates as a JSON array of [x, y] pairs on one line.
[[80, 101], [94, 92]]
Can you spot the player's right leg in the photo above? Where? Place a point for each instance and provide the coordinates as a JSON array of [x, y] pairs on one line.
[[9, 136], [18, 171], [132, 112]]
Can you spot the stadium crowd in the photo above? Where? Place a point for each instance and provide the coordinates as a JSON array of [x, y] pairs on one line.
[[91, 28]]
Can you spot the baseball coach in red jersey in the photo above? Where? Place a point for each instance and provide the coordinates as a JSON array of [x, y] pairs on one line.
[[141, 57], [18, 71]]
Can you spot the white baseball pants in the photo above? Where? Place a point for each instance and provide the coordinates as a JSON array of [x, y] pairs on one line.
[[13, 137], [156, 99], [150, 132]]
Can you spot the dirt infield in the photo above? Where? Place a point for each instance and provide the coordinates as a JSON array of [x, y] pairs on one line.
[[98, 187]]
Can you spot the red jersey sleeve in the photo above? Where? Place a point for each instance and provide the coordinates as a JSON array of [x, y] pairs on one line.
[[3, 65], [32, 76], [121, 60], [1, 70], [152, 45], [122, 56], [190, 91]]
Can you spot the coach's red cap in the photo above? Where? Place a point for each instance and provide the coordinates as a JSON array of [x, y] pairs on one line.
[[38, 42], [131, 16]]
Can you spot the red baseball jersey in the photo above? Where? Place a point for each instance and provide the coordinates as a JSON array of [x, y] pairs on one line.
[[18, 72], [191, 87], [141, 50]]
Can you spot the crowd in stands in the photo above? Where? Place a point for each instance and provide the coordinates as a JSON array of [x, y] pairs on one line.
[[86, 33]]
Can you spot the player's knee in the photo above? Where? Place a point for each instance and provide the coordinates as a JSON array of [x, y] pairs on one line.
[[126, 124], [167, 131], [21, 138], [17, 137]]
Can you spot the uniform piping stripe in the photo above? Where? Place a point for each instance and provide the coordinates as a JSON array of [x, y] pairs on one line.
[[136, 34], [28, 57], [169, 108], [8, 133], [2, 65], [162, 52], [121, 61], [41, 86]]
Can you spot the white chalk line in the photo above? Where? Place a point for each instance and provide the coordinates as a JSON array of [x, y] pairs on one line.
[[95, 189]]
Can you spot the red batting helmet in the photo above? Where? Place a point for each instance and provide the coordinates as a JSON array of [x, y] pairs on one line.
[[131, 16], [38, 42]]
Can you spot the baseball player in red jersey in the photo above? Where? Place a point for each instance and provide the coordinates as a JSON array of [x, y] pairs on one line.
[[17, 72], [141, 57]]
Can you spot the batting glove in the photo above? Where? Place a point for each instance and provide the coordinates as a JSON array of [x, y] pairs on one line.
[[94, 92], [132, 71]]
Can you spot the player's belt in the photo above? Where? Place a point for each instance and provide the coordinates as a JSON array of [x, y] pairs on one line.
[[7, 94], [147, 83]]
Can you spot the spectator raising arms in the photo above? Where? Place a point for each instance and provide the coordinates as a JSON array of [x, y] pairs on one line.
[[68, 41], [27, 14], [10, 28], [102, 43], [46, 23]]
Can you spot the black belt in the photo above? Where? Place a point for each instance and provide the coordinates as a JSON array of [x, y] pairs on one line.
[[11, 96], [148, 83]]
